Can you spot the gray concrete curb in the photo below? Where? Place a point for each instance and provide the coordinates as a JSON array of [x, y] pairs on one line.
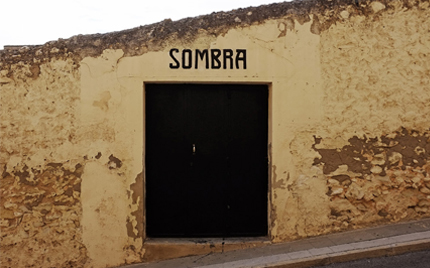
[[342, 253], [353, 255]]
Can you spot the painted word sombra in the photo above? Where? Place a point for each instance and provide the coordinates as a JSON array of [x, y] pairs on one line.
[[211, 58]]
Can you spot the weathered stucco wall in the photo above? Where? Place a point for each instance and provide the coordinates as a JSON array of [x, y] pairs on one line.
[[348, 128], [41, 207], [377, 81], [370, 146]]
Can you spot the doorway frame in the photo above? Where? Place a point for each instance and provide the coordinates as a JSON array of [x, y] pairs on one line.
[[270, 216]]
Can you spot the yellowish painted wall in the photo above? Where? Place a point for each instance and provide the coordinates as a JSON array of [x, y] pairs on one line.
[[348, 132], [375, 85], [41, 207]]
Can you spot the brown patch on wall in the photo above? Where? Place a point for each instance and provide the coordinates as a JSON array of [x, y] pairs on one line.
[[54, 165], [413, 147], [155, 37], [316, 25], [103, 103], [114, 162], [342, 179], [273, 209], [129, 226], [387, 178], [43, 211], [137, 198], [35, 71]]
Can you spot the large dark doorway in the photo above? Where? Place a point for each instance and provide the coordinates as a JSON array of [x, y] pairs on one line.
[[206, 160]]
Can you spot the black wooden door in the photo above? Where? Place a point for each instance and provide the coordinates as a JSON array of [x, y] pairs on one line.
[[206, 160]]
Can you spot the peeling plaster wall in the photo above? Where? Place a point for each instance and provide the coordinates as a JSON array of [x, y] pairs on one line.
[[349, 133], [41, 178], [378, 109], [370, 147], [68, 166], [112, 125]]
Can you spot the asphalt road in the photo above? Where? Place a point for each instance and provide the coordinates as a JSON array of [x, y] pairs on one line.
[[419, 259]]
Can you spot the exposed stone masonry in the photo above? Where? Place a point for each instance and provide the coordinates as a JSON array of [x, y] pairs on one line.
[[378, 179], [41, 211]]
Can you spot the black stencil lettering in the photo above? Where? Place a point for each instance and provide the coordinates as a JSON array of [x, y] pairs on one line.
[[202, 55], [187, 61], [171, 65], [215, 54], [241, 58], [228, 55]]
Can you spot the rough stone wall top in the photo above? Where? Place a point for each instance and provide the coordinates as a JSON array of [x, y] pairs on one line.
[[156, 36]]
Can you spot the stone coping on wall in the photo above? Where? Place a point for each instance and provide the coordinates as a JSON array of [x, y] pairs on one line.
[[157, 36]]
